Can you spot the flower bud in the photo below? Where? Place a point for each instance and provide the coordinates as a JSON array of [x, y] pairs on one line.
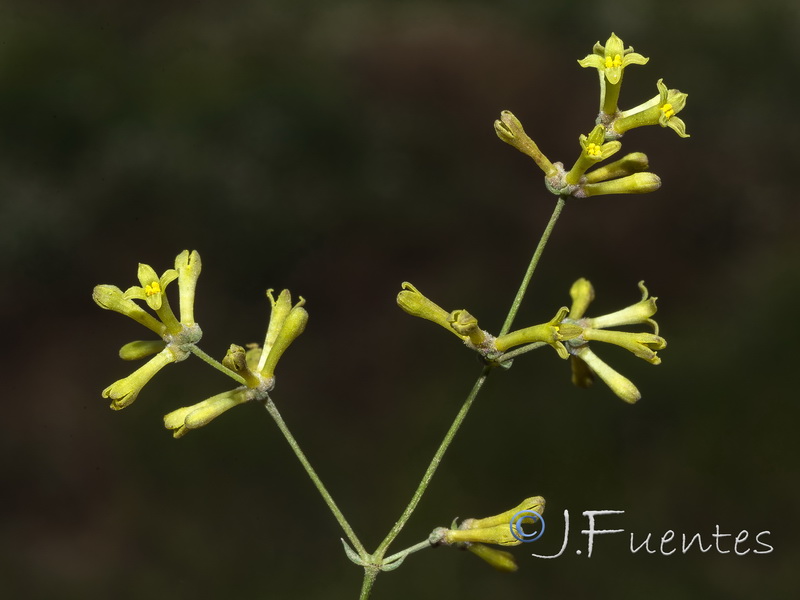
[[498, 559], [641, 344], [464, 324], [534, 503], [582, 294], [638, 183], [411, 300], [509, 129], [188, 266], [631, 315], [620, 385], [123, 392], [236, 360], [141, 349], [499, 535], [634, 162], [184, 419]]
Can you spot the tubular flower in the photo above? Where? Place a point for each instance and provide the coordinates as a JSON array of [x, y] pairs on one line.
[[585, 363], [660, 110], [610, 61]]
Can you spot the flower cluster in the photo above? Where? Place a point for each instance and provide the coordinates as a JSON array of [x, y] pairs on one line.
[[568, 333], [586, 364], [628, 175], [256, 367], [475, 534], [253, 368], [177, 335]]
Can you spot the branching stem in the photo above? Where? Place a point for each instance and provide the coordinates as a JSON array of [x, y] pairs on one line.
[[521, 350], [371, 573], [373, 563], [276, 416], [434, 464]]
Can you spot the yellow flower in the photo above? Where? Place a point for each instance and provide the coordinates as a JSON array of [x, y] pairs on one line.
[[660, 110], [594, 150], [610, 61]]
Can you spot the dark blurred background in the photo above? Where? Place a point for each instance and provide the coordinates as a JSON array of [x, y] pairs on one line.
[[338, 148]]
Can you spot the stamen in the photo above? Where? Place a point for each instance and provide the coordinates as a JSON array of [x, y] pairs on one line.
[[152, 289]]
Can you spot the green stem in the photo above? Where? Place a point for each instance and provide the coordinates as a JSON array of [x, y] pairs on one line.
[[532, 266], [407, 551], [276, 416], [370, 573], [216, 364], [521, 350], [371, 570], [437, 458]]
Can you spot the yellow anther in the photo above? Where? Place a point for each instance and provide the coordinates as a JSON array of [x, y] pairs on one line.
[[667, 110], [152, 289], [613, 62], [593, 150]]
